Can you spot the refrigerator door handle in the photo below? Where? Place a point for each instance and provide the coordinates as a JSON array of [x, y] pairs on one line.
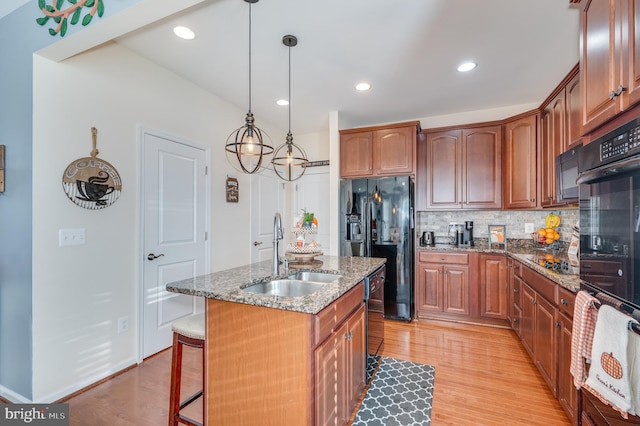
[[411, 218], [367, 227]]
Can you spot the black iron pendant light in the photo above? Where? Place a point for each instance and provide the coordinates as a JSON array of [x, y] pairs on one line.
[[289, 160], [246, 148]]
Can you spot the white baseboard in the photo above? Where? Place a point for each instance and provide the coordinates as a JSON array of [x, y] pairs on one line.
[[55, 396]]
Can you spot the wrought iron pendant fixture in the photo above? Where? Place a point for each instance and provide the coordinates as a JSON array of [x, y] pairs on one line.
[[289, 160], [246, 147]]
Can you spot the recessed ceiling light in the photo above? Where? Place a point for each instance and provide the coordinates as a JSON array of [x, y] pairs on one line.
[[282, 102], [184, 33], [363, 86], [467, 66]]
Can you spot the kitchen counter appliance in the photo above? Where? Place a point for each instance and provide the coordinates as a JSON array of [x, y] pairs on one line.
[[383, 209], [609, 198]]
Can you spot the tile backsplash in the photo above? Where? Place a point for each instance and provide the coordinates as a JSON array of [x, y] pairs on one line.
[[514, 220]]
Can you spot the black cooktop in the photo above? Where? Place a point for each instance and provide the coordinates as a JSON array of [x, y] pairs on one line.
[[556, 263]]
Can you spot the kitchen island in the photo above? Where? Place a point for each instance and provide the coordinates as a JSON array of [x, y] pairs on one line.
[[283, 360]]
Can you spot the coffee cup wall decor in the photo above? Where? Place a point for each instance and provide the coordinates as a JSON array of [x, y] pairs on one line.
[[91, 182]]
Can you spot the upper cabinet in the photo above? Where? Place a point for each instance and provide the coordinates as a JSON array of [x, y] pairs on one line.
[[609, 60], [378, 151], [460, 169], [560, 129], [520, 161]]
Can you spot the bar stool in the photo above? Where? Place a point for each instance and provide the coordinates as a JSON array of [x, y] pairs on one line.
[[186, 331]]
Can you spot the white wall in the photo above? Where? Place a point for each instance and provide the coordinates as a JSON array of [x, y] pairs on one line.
[[79, 292]]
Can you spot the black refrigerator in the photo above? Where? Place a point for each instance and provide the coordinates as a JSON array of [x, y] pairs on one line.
[[377, 220]]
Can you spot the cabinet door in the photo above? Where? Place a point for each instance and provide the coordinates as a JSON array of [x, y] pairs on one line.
[[552, 144], [516, 292], [429, 291], [545, 341], [493, 286], [599, 72], [573, 112], [356, 154], [329, 365], [443, 170], [456, 289], [356, 358], [527, 324], [520, 185], [631, 56], [393, 151], [422, 168], [482, 168], [567, 393]]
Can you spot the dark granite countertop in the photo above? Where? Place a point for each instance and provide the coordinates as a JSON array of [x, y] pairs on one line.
[[228, 285], [525, 252]]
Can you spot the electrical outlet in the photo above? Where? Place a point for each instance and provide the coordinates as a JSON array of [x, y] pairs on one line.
[[71, 237], [528, 228], [123, 324]]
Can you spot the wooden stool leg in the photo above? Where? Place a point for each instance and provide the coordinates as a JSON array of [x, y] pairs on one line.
[[176, 375]]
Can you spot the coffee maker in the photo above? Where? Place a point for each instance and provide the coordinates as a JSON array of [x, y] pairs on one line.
[[467, 234]]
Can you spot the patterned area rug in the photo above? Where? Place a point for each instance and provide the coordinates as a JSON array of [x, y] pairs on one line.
[[400, 395], [372, 363]]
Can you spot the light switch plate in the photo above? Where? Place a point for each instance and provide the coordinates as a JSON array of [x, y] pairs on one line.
[[528, 228], [71, 237]]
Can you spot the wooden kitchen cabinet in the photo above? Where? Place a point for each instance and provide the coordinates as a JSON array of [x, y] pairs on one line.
[[463, 169], [378, 151], [356, 154], [609, 59], [340, 371], [560, 129], [520, 162], [567, 392], [493, 286], [442, 284]]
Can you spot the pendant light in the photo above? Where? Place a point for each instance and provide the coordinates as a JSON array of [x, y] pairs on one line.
[[289, 160], [246, 147]]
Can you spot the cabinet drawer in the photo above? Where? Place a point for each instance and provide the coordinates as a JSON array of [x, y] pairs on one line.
[[333, 315], [517, 268], [566, 301], [442, 257], [544, 286]]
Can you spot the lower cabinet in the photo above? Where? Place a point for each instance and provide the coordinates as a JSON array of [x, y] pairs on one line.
[[493, 286], [541, 314], [442, 284], [340, 370]]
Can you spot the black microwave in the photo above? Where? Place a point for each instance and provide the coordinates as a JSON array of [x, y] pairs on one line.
[[567, 165]]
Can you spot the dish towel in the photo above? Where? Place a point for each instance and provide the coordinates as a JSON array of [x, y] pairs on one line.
[[634, 365], [610, 373], [585, 313]]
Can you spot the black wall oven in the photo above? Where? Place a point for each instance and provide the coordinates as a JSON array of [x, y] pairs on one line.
[[610, 214]]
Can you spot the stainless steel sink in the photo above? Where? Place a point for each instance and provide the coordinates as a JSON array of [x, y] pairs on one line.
[[321, 277], [285, 288]]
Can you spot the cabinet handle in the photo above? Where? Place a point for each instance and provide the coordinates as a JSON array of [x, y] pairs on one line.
[[533, 302], [557, 324], [515, 290], [564, 302], [617, 92], [533, 200]]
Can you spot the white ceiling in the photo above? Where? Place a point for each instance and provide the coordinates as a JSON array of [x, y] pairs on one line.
[[8, 6], [407, 49]]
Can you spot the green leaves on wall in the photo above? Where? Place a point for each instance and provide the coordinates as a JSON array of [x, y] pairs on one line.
[[62, 16]]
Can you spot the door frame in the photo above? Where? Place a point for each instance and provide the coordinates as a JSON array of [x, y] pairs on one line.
[[141, 131]]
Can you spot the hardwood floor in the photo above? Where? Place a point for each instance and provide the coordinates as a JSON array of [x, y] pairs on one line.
[[483, 377]]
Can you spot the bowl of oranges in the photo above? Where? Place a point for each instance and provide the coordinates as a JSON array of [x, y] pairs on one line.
[[546, 238]]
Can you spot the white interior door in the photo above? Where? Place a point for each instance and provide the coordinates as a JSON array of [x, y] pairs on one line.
[[312, 194], [174, 240], [267, 198]]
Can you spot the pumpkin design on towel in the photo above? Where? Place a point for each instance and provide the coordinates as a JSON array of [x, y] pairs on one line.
[[611, 365]]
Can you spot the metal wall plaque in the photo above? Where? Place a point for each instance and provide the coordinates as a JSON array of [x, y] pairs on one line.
[[91, 182], [232, 190]]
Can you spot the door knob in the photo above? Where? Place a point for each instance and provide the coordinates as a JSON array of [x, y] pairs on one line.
[[152, 256], [257, 243]]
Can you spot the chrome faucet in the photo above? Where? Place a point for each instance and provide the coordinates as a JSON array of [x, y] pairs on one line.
[[277, 236]]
